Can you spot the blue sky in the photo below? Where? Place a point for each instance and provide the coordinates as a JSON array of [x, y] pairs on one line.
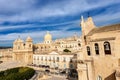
[[60, 17]]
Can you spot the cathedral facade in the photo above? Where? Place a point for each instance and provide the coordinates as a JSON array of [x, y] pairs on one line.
[[23, 51]]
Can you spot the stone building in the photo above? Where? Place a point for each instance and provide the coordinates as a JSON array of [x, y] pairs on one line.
[[23, 51], [26, 51], [48, 45], [6, 54], [99, 58], [53, 60]]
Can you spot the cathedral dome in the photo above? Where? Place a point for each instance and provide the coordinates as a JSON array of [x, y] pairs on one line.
[[29, 39], [48, 36]]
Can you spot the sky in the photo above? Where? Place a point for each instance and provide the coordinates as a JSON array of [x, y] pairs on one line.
[[60, 17]]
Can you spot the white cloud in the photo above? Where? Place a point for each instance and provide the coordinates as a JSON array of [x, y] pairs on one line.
[[37, 36], [24, 10], [61, 8]]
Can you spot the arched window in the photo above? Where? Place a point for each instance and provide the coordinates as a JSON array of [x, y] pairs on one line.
[[107, 48], [29, 45], [41, 47], [99, 78], [79, 44], [88, 51], [97, 48]]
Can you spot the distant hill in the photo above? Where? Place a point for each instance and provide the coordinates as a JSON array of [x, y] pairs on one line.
[[5, 47]]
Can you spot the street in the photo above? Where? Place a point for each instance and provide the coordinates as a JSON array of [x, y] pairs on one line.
[[54, 77]]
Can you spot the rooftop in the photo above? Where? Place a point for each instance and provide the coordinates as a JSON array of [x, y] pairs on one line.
[[104, 29]]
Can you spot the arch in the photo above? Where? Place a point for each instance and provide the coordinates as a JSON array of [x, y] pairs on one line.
[[107, 48], [88, 51], [97, 48]]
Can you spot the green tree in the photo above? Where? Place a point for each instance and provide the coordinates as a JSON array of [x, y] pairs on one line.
[[66, 50]]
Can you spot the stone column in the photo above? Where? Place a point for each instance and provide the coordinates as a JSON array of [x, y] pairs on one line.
[[82, 72], [90, 70]]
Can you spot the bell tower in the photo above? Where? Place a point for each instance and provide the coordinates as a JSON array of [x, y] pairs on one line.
[[29, 50], [86, 27], [23, 51]]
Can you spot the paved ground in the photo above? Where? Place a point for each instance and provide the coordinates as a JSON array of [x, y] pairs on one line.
[[9, 64], [54, 77]]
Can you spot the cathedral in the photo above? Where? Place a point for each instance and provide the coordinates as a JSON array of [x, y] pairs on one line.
[[23, 51]]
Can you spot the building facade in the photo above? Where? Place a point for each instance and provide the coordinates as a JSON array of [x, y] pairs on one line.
[[6, 54], [23, 51], [53, 60], [99, 58], [26, 51]]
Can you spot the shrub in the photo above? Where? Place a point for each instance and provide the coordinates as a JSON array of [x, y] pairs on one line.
[[66, 50], [19, 73]]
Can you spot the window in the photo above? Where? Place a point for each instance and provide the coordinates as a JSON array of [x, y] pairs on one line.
[[54, 59], [30, 45], [18, 47], [45, 47], [64, 65], [45, 58], [71, 66], [71, 60], [24, 45], [41, 58], [64, 59], [79, 44], [99, 78], [41, 47], [107, 48], [57, 58], [37, 58], [47, 41], [88, 51], [49, 58], [96, 48]]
